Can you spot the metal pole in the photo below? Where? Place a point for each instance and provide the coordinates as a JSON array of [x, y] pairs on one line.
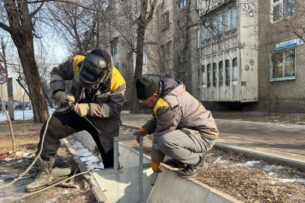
[[141, 169], [115, 155], [2, 110]]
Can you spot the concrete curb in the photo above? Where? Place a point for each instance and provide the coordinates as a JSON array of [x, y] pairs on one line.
[[260, 155], [96, 189]]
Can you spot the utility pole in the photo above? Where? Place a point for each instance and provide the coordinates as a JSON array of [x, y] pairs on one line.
[[9, 85]]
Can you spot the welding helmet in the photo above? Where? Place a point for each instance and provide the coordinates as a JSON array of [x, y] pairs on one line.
[[96, 67]]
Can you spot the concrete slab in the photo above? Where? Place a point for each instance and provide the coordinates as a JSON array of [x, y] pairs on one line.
[[169, 187], [123, 186]]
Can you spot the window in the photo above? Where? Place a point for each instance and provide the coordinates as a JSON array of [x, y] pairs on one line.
[[289, 8], [227, 72], [198, 38], [227, 21], [282, 8], [205, 34], [144, 57], [165, 21], [217, 25], [235, 70], [166, 51], [182, 22], [209, 75], [214, 74], [114, 45], [136, 5], [180, 39], [201, 77], [181, 4], [283, 65], [220, 73], [233, 18]]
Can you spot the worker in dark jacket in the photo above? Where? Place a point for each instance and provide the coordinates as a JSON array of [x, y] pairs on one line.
[[97, 94], [182, 127]]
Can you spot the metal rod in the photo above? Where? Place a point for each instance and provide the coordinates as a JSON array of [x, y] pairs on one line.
[[115, 156], [141, 169]]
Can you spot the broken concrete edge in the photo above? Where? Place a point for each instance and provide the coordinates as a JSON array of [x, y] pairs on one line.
[[260, 155], [95, 188]]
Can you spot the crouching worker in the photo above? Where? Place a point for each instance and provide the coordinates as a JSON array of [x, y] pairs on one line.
[[183, 129], [96, 94]]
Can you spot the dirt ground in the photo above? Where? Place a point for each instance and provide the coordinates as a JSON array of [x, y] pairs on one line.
[[233, 174], [224, 171], [26, 138]]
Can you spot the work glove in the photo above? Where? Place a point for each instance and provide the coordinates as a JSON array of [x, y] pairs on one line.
[[81, 109], [63, 98], [140, 132], [155, 166]]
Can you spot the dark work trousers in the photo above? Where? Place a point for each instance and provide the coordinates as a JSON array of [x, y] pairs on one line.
[[62, 125]]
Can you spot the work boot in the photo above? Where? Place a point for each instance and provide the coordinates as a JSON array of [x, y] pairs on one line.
[[174, 163], [193, 170], [44, 176]]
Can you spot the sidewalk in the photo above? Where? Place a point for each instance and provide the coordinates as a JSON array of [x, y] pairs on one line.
[[284, 143]]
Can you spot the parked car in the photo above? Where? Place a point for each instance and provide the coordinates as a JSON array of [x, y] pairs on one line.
[[18, 104], [5, 103]]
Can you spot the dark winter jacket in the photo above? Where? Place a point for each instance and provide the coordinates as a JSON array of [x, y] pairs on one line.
[[177, 109], [105, 101]]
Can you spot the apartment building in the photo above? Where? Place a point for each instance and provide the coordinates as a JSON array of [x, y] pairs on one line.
[[247, 58], [227, 52]]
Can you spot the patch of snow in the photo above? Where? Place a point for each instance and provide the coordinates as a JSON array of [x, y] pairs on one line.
[[272, 168], [19, 161], [78, 145], [18, 114], [23, 154], [54, 199], [7, 159], [125, 112], [89, 159], [19, 153], [66, 192], [286, 180], [90, 166], [83, 152], [220, 161], [248, 163]]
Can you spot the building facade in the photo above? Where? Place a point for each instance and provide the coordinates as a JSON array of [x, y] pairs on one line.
[[248, 58], [239, 53]]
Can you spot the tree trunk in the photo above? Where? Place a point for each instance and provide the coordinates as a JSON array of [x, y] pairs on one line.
[[21, 31], [32, 79], [135, 108]]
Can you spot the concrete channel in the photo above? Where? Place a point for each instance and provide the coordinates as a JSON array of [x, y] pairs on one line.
[[132, 179]]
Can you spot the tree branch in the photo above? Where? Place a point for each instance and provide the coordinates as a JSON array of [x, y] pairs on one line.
[[34, 12], [5, 27], [151, 12]]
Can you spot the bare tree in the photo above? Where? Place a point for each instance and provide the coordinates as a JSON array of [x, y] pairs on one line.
[[19, 23], [78, 22], [142, 21], [293, 15]]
